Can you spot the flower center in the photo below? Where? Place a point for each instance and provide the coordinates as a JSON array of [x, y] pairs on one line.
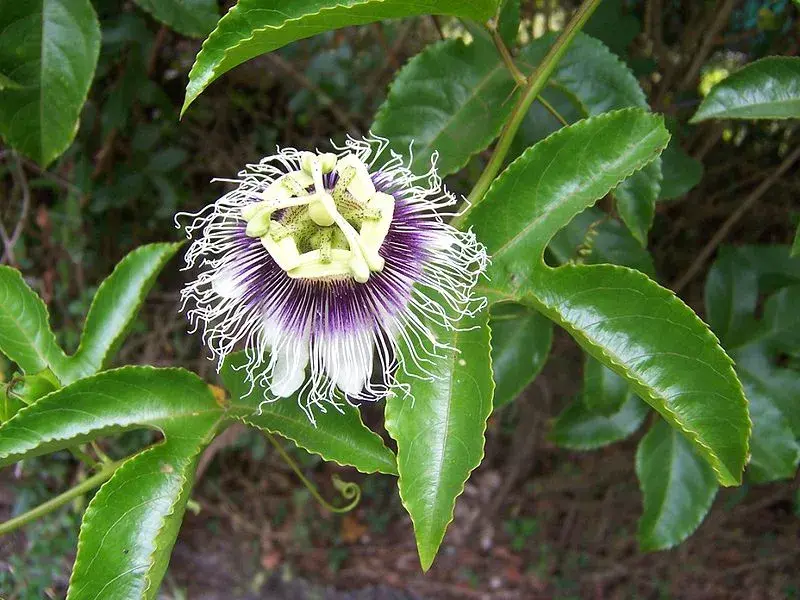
[[325, 221]]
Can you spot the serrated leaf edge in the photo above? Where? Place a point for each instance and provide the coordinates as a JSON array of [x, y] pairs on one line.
[[50, 439], [460, 491]]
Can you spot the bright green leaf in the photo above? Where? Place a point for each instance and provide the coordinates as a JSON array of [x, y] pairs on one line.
[[440, 431], [604, 392], [255, 27], [602, 82], [193, 18], [340, 437], [25, 334], [50, 48], [113, 401], [579, 428], [521, 340], [594, 237], [680, 171], [622, 318], [765, 89], [115, 307], [453, 99], [677, 485]]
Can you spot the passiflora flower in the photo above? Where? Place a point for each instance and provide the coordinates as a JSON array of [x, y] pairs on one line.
[[332, 272]]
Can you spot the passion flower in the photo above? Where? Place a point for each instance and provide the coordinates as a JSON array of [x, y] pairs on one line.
[[331, 272]]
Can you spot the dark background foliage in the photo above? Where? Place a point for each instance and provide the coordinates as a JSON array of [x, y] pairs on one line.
[[535, 521]]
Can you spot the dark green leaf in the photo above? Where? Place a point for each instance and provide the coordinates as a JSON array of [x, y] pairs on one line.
[[440, 431], [521, 340], [540, 122], [579, 428], [50, 50], [194, 18], [731, 294], [254, 27], [613, 25], [25, 334], [681, 172], [636, 199], [622, 318], [508, 21], [594, 237], [453, 99], [775, 448], [340, 437], [678, 488], [604, 392], [766, 89], [796, 245], [115, 307]]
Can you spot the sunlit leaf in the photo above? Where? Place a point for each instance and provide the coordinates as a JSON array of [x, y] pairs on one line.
[[115, 306], [254, 27], [765, 89], [25, 334], [625, 320]]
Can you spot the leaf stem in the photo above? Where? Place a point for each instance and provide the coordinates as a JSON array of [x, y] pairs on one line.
[[518, 75], [89, 484], [349, 490], [536, 83], [552, 110]]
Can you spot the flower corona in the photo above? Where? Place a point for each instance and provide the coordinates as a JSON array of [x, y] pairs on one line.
[[332, 272]]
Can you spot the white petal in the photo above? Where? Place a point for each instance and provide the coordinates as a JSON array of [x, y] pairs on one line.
[[289, 371], [224, 285], [348, 361]]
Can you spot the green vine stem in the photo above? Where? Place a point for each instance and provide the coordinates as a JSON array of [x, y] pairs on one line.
[[536, 83], [348, 490], [85, 486]]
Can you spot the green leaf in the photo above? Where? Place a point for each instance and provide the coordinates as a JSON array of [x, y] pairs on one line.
[[131, 524], [765, 89], [604, 392], [600, 239], [579, 428], [613, 25], [681, 172], [521, 340], [6, 83], [113, 401], [193, 18], [602, 82], [440, 431], [508, 21], [255, 27], [633, 326], [115, 306], [340, 437], [453, 99], [731, 294], [25, 334], [796, 245], [775, 447], [50, 48], [677, 485]]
